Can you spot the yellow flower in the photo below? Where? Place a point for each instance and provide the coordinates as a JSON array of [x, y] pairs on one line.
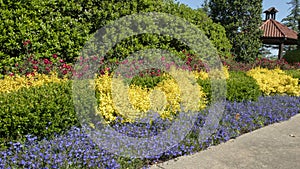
[[275, 81]]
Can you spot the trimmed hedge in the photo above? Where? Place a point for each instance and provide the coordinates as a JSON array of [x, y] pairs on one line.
[[239, 87], [40, 111], [62, 27]]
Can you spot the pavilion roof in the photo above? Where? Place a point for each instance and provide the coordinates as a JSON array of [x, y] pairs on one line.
[[275, 32]]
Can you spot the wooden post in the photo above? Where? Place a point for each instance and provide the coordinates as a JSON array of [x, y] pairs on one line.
[[280, 50]]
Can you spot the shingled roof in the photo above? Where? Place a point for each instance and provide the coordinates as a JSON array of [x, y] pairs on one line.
[[275, 32]]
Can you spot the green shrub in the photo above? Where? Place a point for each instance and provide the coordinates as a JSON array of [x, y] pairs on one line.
[[239, 87], [147, 81], [292, 56], [62, 27], [39, 111], [294, 73], [59, 27]]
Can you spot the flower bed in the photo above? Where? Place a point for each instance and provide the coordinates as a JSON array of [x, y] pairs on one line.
[[75, 150], [39, 127]]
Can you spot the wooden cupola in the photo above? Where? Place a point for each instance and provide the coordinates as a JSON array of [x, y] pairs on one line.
[[271, 13]]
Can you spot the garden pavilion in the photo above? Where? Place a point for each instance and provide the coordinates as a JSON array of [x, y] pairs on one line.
[[275, 33]]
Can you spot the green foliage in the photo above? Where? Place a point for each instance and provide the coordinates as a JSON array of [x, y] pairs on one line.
[[207, 89], [63, 27], [241, 19], [128, 163], [147, 81], [291, 20], [292, 56], [39, 111], [215, 32], [294, 74], [240, 87], [59, 27]]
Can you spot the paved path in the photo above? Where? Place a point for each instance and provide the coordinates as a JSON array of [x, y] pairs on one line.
[[273, 147]]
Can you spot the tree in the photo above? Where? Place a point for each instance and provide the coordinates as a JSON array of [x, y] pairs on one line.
[[205, 7], [241, 19], [293, 19]]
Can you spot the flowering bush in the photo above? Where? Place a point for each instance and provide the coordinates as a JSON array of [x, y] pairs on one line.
[[260, 62], [14, 83], [272, 64], [275, 82], [140, 98], [32, 64], [216, 74], [43, 66]]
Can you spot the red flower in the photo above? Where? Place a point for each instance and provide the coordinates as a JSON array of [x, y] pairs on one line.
[[54, 56], [26, 42], [34, 62], [46, 61], [64, 72], [35, 67], [11, 74], [61, 61]]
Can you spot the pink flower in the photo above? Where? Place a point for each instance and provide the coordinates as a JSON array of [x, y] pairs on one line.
[[34, 62], [124, 62], [64, 65], [61, 61], [35, 67], [11, 74], [26, 42], [69, 67], [54, 56], [46, 61]]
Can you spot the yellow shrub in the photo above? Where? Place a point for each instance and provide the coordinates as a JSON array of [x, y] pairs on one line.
[[214, 73], [275, 81], [134, 101], [10, 84]]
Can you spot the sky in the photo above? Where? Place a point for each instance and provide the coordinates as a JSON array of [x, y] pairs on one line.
[[280, 5]]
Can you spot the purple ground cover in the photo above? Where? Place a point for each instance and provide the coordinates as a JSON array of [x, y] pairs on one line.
[[75, 150]]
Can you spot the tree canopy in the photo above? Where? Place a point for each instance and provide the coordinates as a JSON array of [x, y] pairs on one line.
[[292, 20], [241, 19]]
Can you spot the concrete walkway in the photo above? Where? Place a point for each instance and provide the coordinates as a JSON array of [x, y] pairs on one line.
[[273, 147]]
